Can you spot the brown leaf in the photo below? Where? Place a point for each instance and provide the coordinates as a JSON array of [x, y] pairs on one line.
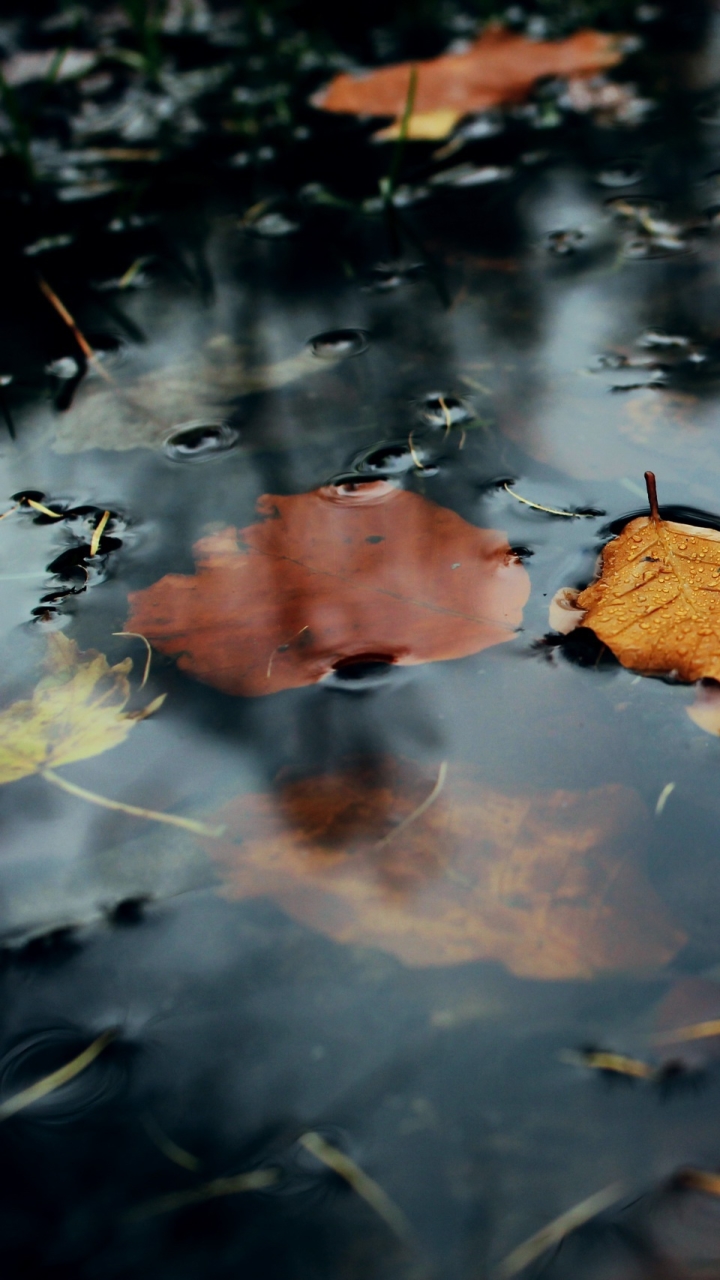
[[500, 67], [547, 883], [342, 574], [656, 604]]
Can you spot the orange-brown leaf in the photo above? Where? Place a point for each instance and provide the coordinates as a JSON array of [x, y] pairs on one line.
[[340, 574], [500, 67], [656, 604], [547, 883]]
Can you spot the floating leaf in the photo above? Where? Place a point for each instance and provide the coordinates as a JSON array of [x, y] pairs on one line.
[[656, 604], [346, 573], [549, 883], [500, 67], [76, 711]]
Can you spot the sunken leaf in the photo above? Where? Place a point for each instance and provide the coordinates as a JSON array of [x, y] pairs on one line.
[[656, 604], [76, 711], [550, 883]]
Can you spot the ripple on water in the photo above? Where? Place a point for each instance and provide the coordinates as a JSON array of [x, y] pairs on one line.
[[43, 1052], [199, 441], [338, 344]]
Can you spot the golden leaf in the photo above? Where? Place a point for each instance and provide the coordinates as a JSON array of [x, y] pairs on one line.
[[76, 711], [656, 604]]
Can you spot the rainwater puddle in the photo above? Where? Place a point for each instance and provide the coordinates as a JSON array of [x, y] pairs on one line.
[[358, 910]]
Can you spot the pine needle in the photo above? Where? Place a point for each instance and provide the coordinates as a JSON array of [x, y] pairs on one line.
[[148, 659], [44, 511], [700, 1180], [537, 506], [98, 532], [695, 1031], [557, 1230], [188, 824], [256, 1180], [177, 1154], [446, 413], [9, 513], [421, 809], [56, 1079], [361, 1183]]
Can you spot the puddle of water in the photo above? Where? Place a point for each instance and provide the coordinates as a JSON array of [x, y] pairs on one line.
[[403, 920]]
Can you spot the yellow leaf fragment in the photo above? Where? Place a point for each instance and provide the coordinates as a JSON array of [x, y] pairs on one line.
[[76, 711], [656, 604]]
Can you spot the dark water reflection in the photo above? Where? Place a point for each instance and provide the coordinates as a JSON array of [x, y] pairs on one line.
[[249, 1020]]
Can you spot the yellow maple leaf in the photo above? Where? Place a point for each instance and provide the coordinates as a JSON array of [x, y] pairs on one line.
[[77, 710]]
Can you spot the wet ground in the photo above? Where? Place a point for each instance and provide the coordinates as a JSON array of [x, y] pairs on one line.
[[435, 859]]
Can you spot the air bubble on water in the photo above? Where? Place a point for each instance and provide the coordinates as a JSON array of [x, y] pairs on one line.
[[338, 344], [565, 242], [456, 410], [199, 441], [620, 175], [273, 226], [65, 368]]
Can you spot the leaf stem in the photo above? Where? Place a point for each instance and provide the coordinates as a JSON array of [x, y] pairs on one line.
[[652, 495], [188, 824]]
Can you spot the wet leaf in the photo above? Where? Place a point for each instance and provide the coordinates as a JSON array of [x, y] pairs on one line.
[[77, 710], [549, 883], [656, 604], [346, 573], [141, 413], [500, 67]]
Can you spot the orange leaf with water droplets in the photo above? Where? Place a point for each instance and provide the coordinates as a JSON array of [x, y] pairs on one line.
[[345, 574], [656, 604], [382, 854], [499, 68]]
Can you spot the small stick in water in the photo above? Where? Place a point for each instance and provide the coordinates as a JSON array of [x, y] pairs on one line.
[[148, 659], [77, 333], [188, 824]]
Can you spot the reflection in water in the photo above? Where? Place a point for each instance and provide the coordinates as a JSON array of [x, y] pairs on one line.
[[549, 884], [341, 574]]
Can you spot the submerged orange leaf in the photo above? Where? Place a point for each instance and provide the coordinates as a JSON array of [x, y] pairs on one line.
[[547, 883], [344, 574], [656, 604], [500, 67]]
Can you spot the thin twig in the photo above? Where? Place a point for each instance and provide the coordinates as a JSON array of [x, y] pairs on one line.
[[88, 351], [421, 809], [148, 659], [537, 506], [188, 824], [368, 1190], [446, 412], [56, 1079]]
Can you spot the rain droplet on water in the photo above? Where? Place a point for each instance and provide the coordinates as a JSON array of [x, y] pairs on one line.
[[338, 344], [455, 410], [199, 441]]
